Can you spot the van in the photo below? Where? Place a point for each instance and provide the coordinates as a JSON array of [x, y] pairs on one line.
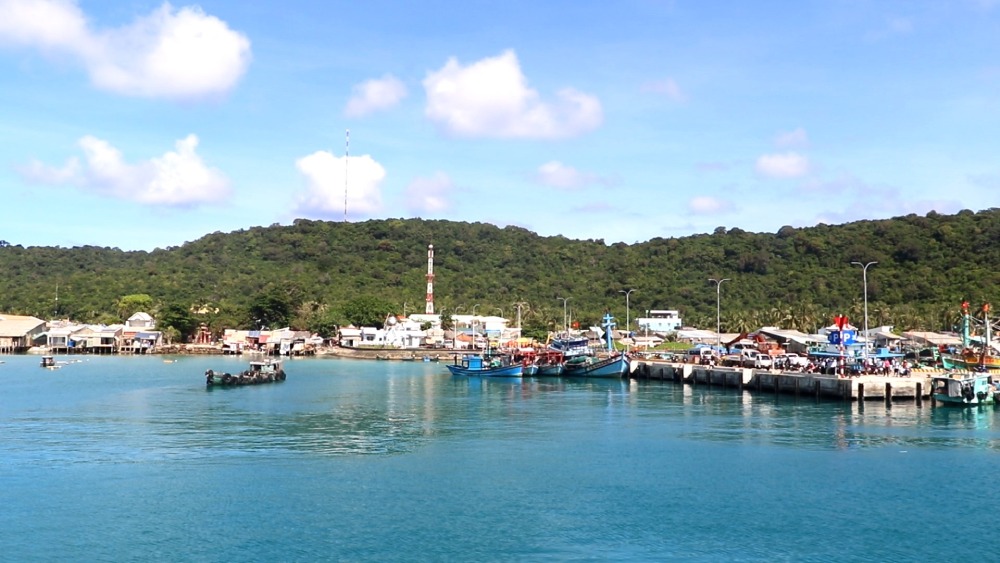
[[700, 355]]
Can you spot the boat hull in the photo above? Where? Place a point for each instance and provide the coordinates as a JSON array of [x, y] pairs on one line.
[[970, 361], [503, 371], [616, 367]]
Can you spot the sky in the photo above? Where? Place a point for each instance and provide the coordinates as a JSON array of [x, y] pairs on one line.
[[143, 125]]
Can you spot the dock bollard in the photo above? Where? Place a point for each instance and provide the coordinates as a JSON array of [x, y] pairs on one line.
[[861, 392], [816, 387], [920, 393], [888, 393]]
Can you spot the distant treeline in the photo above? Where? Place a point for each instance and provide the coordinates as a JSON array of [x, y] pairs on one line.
[[316, 275]]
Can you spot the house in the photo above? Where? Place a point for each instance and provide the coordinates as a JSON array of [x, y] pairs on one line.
[[140, 320], [97, 339], [350, 336], [18, 333]]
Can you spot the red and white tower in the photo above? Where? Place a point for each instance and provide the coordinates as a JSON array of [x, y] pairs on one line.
[[430, 280]]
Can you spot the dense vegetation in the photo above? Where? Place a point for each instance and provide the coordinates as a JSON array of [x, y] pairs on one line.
[[316, 275]]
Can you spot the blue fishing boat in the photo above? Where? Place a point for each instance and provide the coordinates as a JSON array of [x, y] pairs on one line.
[[965, 389], [485, 366]]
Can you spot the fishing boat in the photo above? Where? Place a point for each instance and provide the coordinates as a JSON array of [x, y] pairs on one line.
[[49, 362], [263, 371], [477, 365], [616, 365], [965, 389], [977, 353]]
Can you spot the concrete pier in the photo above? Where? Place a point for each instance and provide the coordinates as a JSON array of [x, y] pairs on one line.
[[915, 387]]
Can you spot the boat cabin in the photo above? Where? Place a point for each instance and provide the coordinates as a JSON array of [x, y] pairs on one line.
[[48, 362]]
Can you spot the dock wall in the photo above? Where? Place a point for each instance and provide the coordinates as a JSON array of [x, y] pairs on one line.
[[915, 387]]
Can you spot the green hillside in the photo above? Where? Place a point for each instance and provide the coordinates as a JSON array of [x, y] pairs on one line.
[[314, 274]]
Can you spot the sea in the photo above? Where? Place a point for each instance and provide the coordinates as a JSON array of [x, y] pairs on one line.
[[134, 459]]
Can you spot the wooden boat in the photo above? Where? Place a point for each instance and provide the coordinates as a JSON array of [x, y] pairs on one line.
[[49, 362], [263, 371], [965, 389], [977, 353], [485, 366]]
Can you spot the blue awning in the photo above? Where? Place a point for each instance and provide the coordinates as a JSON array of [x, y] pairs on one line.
[[146, 336]]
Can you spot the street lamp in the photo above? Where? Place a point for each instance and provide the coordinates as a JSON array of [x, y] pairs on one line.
[[627, 293], [718, 309], [864, 276], [474, 325], [565, 328]]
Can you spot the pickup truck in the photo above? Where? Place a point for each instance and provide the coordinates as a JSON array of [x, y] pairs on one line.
[[791, 360], [748, 358]]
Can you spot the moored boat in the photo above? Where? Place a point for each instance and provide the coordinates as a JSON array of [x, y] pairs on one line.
[[616, 367], [486, 366], [965, 389], [264, 371], [978, 353], [49, 362]]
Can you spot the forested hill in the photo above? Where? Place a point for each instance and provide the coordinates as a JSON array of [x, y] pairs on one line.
[[313, 274]]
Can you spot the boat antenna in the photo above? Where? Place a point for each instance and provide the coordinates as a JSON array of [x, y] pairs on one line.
[[347, 155]]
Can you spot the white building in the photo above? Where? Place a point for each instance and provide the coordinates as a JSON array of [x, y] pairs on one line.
[[662, 320]]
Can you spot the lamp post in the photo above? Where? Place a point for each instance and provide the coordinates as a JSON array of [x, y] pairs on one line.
[[627, 293], [864, 277], [454, 330], [474, 325], [718, 310], [565, 328]]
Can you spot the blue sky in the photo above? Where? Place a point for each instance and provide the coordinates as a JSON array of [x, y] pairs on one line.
[[140, 124]]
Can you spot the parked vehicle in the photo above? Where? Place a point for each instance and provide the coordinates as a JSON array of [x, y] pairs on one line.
[[790, 360]]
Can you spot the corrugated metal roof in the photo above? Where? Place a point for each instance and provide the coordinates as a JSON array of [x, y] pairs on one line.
[[16, 326]]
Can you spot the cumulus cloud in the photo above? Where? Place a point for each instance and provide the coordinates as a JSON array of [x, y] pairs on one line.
[[491, 98], [557, 175], [375, 95], [170, 53], [179, 178], [325, 176], [667, 88], [786, 165], [429, 195], [707, 205], [795, 138]]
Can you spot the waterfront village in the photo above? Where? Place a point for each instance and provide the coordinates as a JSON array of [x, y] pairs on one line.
[[416, 335]]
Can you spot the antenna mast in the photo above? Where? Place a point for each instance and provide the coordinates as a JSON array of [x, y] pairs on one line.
[[347, 154]]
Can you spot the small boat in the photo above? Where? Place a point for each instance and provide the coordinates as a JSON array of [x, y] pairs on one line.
[[965, 389], [49, 362], [264, 371], [486, 366]]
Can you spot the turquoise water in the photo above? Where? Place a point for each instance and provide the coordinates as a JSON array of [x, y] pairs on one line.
[[119, 459]]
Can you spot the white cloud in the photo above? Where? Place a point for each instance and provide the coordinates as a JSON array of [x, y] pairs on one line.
[[325, 177], [178, 54], [796, 138], [375, 95], [429, 195], [179, 178], [667, 88], [707, 205], [557, 175], [491, 98], [787, 165]]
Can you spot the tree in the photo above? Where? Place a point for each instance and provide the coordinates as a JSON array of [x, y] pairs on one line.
[[132, 304], [367, 311], [177, 317], [269, 310]]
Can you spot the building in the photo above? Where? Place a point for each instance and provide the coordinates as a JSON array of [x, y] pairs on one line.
[[18, 333], [660, 320]]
